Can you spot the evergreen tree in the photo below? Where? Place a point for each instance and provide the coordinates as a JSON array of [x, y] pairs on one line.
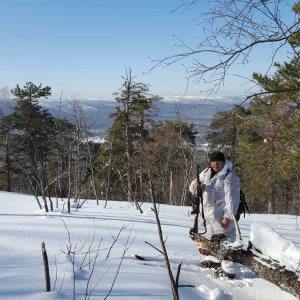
[[266, 140], [33, 130], [270, 140], [126, 136]]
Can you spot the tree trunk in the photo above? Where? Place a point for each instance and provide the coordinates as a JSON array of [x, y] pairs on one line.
[[46, 268], [171, 189], [45, 203], [262, 267], [8, 164]]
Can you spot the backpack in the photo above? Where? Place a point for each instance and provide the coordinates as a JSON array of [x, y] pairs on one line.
[[243, 206]]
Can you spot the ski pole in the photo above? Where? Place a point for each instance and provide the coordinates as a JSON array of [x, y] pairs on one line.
[[200, 197], [194, 229], [199, 201]]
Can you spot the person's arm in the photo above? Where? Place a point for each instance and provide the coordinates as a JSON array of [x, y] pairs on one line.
[[195, 185], [225, 222], [232, 197]]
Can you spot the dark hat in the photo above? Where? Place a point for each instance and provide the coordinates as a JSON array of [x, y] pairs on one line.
[[217, 156]]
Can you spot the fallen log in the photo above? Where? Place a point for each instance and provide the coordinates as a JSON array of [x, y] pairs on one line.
[[262, 266]]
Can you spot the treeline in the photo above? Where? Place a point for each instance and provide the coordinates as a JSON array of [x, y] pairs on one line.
[[142, 158], [53, 159]]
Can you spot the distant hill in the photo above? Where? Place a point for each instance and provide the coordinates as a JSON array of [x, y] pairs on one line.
[[190, 109]]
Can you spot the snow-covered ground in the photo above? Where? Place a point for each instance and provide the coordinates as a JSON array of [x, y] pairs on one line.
[[97, 239]]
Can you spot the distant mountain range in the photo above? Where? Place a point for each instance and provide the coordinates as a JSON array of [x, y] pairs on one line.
[[191, 109]]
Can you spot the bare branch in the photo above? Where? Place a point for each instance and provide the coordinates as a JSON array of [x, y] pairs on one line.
[[232, 31]]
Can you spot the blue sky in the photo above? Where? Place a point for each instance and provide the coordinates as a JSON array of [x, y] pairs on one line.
[[81, 47]]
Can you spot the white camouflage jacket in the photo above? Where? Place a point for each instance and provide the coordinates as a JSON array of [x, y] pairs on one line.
[[221, 196]]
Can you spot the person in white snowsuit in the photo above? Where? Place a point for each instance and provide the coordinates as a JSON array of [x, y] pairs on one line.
[[221, 196]]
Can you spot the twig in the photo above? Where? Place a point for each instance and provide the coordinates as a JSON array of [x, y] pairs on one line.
[[115, 240], [121, 261], [154, 247], [178, 273]]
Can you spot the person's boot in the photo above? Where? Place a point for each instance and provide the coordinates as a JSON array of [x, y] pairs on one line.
[[227, 269], [217, 237]]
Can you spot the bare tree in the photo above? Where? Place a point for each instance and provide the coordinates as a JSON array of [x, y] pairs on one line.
[[81, 175], [173, 282], [84, 148], [87, 256]]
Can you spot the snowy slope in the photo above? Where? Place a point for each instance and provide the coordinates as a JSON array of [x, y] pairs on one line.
[[92, 231]]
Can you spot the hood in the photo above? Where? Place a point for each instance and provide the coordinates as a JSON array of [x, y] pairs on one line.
[[227, 166]]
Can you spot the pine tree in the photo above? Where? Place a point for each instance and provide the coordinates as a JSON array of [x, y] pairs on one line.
[[33, 130], [263, 140], [128, 132], [273, 152]]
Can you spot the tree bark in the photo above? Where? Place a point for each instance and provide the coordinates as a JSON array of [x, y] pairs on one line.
[[267, 269], [46, 268]]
